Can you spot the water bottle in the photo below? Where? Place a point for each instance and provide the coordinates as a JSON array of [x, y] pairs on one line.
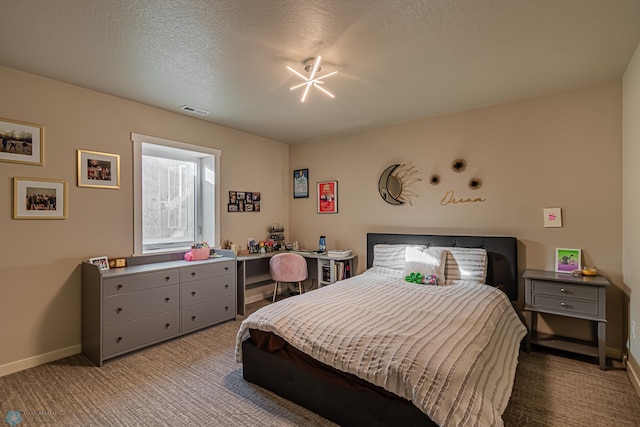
[[322, 244]]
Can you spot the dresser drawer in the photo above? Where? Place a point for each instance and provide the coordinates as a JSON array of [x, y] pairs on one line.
[[207, 289], [130, 335], [122, 308], [566, 306], [207, 313], [139, 282], [210, 269], [564, 290]]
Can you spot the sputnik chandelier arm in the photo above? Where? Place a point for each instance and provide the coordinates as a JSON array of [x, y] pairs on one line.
[[312, 80]]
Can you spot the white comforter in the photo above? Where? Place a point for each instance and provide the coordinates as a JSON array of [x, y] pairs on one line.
[[451, 350]]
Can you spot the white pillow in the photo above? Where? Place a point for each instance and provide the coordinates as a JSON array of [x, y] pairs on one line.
[[426, 261], [390, 256], [466, 264]]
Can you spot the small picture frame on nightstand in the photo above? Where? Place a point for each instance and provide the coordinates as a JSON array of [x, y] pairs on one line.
[[567, 260]]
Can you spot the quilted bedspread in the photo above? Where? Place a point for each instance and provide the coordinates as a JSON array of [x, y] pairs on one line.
[[451, 350]]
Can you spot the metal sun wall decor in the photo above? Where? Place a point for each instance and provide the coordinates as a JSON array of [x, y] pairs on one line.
[[394, 184]]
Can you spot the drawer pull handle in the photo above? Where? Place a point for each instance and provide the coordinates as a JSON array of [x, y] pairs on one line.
[[193, 318], [226, 268], [563, 304], [193, 294], [119, 310], [563, 290], [226, 308], [167, 299], [167, 278], [118, 287], [118, 339], [166, 325], [226, 286], [193, 273]]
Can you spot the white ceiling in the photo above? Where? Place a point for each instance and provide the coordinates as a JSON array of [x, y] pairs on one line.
[[398, 60]]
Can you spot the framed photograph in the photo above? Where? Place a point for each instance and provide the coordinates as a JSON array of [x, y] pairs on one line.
[[21, 142], [552, 217], [38, 198], [300, 183], [567, 260], [98, 170], [328, 197], [100, 261], [244, 201]]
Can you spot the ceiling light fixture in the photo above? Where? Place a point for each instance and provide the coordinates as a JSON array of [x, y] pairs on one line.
[[312, 64]]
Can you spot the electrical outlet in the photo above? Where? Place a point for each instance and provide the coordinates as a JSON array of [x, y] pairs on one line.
[[633, 330]]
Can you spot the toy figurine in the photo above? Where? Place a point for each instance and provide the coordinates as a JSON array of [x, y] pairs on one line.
[[421, 279]]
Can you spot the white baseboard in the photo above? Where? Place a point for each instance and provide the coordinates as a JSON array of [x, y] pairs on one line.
[[41, 359], [634, 373]]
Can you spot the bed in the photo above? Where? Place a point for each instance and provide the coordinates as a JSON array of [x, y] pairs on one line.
[[377, 350]]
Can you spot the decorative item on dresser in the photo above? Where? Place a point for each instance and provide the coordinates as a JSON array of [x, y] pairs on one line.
[[580, 297], [154, 298]]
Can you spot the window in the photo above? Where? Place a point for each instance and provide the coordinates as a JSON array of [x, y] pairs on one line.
[[175, 195]]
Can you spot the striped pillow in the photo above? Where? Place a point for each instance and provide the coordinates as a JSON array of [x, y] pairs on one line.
[[390, 256], [466, 264]]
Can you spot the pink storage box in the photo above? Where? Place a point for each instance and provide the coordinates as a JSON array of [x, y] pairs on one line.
[[197, 254]]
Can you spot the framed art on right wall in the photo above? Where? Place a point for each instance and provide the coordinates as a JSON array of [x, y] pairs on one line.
[[567, 260]]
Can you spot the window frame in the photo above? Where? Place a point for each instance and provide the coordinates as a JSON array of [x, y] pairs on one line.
[[210, 230]]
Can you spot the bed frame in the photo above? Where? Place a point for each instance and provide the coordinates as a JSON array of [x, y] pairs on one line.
[[349, 407]]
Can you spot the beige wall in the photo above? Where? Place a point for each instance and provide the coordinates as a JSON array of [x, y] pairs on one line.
[[560, 150], [631, 203], [39, 273]]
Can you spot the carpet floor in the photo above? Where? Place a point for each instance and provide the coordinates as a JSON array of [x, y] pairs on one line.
[[194, 380]]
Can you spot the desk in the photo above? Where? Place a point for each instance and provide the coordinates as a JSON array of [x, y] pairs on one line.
[[253, 270]]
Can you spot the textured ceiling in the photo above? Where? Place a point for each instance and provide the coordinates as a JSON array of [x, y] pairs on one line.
[[398, 60]]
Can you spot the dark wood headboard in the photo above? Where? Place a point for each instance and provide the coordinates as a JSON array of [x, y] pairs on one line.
[[502, 254]]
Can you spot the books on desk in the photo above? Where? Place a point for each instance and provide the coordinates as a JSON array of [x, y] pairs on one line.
[[339, 253]]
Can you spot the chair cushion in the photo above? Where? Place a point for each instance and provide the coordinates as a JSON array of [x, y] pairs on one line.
[[288, 267]]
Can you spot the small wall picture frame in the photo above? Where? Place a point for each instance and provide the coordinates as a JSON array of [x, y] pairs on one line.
[[300, 183], [21, 142], [568, 260], [39, 198], [101, 261], [327, 197], [98, 170], [244, 201], [552, 217]]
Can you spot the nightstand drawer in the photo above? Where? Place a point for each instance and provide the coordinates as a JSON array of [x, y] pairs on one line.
[[566, 306], [541, 287]]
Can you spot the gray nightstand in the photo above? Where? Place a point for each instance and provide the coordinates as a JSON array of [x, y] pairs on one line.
[[581, 297]]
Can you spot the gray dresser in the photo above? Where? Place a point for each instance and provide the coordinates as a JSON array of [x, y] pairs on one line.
[[125, 309]]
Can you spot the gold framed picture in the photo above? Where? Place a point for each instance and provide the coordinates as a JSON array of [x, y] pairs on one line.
[[98, 170], [38, 198], [21, 142]]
